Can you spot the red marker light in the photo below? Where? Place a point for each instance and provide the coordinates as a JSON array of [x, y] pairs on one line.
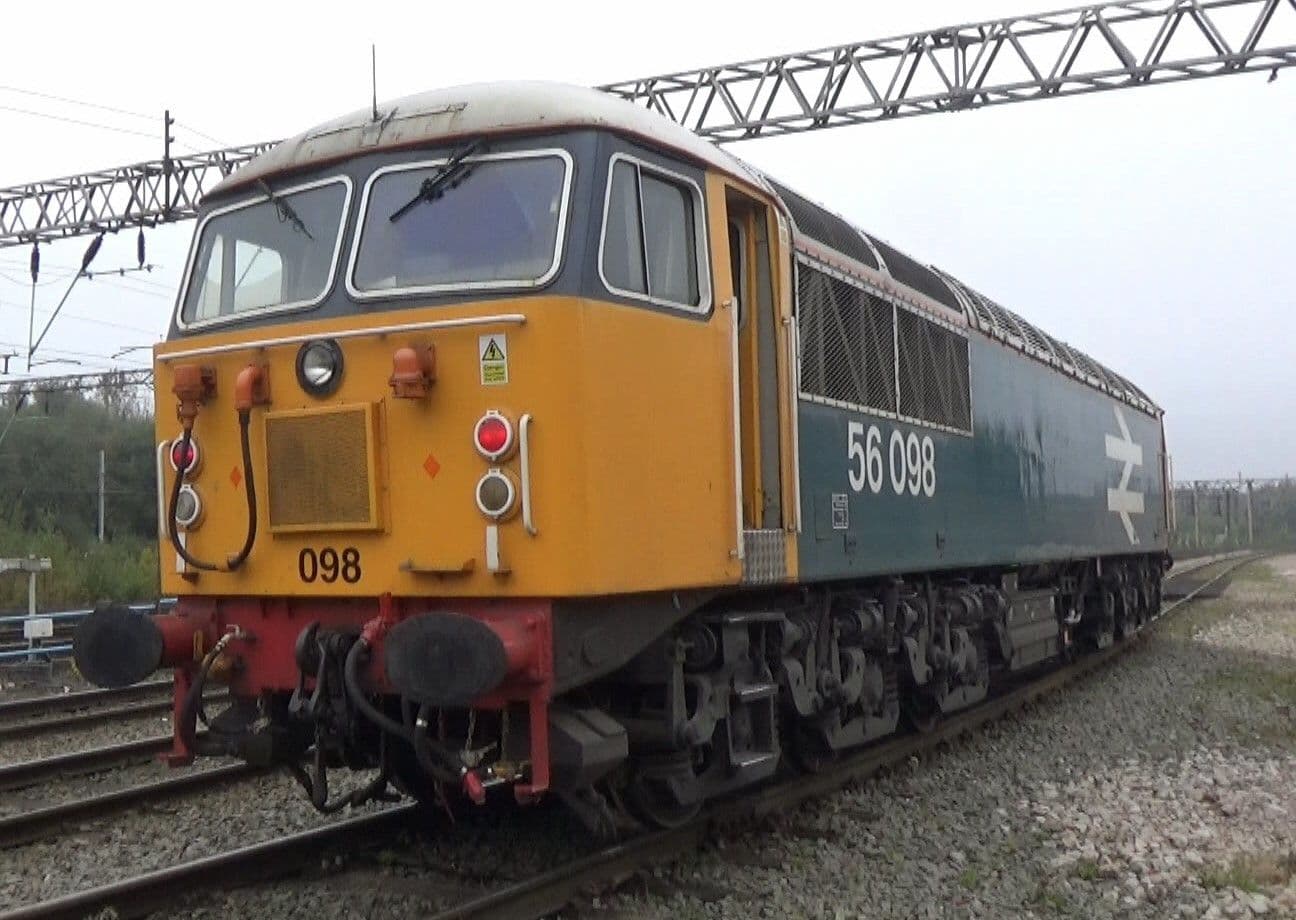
[[187, 458], [182, 454], [493, 435]]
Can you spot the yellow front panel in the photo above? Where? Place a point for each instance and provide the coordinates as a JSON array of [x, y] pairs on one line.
[[631, 466]]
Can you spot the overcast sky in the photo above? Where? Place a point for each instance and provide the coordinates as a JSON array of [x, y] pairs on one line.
[[1152, 228]]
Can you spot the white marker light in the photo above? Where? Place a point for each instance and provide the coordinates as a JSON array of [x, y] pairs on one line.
[[496, 494], [188, 508]]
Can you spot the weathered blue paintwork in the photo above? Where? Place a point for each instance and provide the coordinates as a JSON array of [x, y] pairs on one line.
[[1030, 485]]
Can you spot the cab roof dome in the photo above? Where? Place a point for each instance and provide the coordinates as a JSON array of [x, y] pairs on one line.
[[473, 110]]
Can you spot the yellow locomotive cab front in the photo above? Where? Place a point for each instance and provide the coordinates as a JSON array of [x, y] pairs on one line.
[[442, 410]]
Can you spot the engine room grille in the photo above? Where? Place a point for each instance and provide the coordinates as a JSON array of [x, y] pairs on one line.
[[847, 342], [856, 346], [933, 374], [320, 469]]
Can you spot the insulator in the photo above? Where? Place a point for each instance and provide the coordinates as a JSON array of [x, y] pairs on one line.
[[139, 247], [91, 251], [35, 262]]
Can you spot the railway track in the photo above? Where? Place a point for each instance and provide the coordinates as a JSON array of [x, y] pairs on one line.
[[550, 891], [39, 823], [78, 763], [49, 714], [58, 704]]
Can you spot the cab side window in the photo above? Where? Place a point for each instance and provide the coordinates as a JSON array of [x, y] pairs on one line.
[[650, 236]]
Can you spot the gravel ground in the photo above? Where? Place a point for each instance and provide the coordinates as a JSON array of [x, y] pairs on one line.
[[155, 836], [66, 789], [117, 731], [1164, 786], [411, 876]]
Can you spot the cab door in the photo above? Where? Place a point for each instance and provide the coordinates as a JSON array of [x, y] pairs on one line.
[[752, 235]]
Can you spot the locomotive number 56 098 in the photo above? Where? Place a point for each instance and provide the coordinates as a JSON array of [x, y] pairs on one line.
[[908, 463]]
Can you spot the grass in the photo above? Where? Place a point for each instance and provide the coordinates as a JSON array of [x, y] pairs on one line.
[[82, 573], [1198, 617], [1275, 685], [969, 879], [1087, 870], [1259, 573], [1054, 900], [1251, 872]]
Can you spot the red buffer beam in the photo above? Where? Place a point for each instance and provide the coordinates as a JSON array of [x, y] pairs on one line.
[[1083, 50]]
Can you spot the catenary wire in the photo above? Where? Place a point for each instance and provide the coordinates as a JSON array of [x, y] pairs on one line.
[[54, 97]]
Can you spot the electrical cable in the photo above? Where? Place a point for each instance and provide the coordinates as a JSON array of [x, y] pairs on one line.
[[54, 97], [90, 105], [78, 121]]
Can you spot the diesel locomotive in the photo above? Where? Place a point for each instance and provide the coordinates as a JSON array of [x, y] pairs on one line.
[[526, 443]]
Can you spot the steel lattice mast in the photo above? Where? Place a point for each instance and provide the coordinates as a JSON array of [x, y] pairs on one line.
[[139, 195], [1105, 46]]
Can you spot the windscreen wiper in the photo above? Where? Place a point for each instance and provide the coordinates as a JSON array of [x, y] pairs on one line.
[[452, 172], [286, 212]]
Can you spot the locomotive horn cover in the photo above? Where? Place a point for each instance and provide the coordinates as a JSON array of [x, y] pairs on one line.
[[445, 659], [116, 647]]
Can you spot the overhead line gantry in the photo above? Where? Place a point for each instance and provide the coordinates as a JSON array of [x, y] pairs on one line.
[[1104, 46]]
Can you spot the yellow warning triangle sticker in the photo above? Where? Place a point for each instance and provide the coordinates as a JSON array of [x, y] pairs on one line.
[[492, 352]]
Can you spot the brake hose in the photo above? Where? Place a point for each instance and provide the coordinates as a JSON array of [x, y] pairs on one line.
[[245, 416], [193, 700], [446, 766]]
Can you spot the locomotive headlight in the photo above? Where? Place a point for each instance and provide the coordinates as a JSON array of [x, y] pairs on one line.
[[188, 508], [319, 367], [190, 459], [496, 494]]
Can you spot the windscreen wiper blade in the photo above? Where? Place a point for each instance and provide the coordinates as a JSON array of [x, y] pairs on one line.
[[285, 210], [452, 172]]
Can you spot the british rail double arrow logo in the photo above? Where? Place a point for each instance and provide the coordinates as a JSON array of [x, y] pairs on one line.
[[1123, 500]]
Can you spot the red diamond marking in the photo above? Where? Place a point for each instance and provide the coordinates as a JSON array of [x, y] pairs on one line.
[[431, 466], [236, 477]]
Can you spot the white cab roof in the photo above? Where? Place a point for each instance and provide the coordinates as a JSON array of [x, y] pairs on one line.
[[474, 110]]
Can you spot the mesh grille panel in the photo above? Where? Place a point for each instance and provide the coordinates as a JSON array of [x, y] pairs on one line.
[[934, 384], [849, 341], [318, 466], [847, 346], [825, 226], [919, 277]]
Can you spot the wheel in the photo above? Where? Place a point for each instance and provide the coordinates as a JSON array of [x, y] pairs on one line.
[[808, 750], [921, 712], [652, 796]]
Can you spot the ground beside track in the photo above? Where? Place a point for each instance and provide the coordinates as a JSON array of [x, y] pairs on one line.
[[1162, 787]]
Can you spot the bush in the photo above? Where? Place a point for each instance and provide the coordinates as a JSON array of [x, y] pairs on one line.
[[125, 569]]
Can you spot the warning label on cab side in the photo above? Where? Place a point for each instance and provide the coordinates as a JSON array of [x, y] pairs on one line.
[[493, 353]]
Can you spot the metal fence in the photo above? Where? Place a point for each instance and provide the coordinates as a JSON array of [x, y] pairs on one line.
[[1228, 513], [36, 636]]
